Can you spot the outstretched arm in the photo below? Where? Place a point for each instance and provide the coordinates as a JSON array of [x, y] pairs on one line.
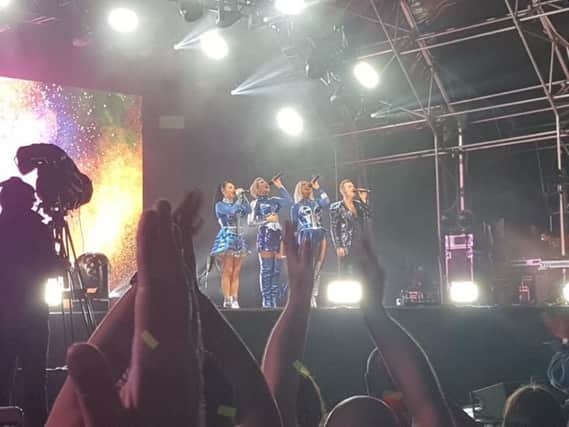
[[285, 347], [256, 406], [406, 361]]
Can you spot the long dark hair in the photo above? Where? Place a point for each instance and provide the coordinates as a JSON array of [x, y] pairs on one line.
[[219, 193]]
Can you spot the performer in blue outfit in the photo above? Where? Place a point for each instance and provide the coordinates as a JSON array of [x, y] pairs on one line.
[[306, 216], [231, 208], [265, 213]]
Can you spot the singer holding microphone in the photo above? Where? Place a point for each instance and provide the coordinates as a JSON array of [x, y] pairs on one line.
[[265, 213], [306, 216], [231, 208], [348, 218]]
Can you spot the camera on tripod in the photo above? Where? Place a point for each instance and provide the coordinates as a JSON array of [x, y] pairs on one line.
[[62, 187]]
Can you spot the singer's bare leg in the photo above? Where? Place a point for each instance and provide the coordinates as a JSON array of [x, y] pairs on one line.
[[226, 276], [234, 289]]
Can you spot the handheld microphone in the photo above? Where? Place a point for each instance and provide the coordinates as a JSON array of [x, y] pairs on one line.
[[314, 178], [363, 190], [277, 176]]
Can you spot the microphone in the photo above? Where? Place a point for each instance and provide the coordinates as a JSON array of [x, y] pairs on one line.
[[314, 178], [363, 190], [277, 176]]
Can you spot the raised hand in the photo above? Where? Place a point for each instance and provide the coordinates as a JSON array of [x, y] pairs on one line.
[[157, 352], [374, 277], [300, 264]]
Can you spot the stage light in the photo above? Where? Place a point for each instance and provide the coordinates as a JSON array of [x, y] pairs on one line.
[[214, 45], [190, 10], [123, 20], [54, 291], [565, 292], [464, 292], [290, 7], [366, 75], [344, 292], [290, 122], [5, 3]]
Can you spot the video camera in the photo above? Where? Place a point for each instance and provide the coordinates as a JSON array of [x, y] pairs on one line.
[[60, 185]]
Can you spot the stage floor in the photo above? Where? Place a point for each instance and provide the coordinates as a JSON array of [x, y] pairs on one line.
[[470, 347]]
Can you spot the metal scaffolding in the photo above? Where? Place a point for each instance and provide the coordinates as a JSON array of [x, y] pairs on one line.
[[552, 99]]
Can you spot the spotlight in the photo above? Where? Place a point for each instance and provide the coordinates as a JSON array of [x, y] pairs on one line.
[[5, 3], [366, 75], [344, 292], [123, 20], [290, 122], [214, 45], [54, 291], [464, 292], [290, 7], [190, 10], [565, 291]]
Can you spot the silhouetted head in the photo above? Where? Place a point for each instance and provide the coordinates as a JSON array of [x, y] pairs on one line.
[[15, 194], [361, 411], [533, 406]]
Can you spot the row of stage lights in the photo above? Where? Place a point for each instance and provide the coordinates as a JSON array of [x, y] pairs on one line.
[[126, 20]]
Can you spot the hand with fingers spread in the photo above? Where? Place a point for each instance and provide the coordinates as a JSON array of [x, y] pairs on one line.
[[148, 339]]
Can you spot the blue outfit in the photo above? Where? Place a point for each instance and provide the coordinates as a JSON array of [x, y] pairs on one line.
[[269, 238], [306, 216], [230, 239]]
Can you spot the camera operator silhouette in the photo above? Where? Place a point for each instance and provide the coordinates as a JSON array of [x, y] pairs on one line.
[[27, 260]]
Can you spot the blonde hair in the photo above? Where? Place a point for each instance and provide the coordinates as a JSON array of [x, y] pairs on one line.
[[254, 186], [342, 183], [298, 191]]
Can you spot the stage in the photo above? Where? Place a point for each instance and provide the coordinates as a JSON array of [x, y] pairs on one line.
[[470, 347]]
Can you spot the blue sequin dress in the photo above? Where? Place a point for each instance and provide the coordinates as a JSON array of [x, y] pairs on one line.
[[230, 239]]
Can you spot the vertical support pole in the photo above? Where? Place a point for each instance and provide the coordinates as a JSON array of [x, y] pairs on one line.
[[442, 281], [461, 194]]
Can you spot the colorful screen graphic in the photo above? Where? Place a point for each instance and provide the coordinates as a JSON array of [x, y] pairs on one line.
[[102, 133]]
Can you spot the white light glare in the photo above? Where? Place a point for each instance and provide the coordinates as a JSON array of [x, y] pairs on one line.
[[290, 7], [344, 292], [290, 122], [5, 3], [366, 75], [214, 45], [464, 292], [122, 20], [565, 291], [54, 291]]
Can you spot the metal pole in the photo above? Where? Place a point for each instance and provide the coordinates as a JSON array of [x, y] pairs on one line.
[[461, 170], [458, 113], [500, 94], [489, 107], [522, 139], [520, 114], [560, 189], [442, 282], [398, 57], [462, 39]]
